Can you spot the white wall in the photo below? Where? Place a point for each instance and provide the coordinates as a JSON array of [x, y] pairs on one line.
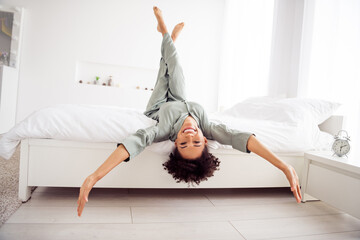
[[57, 34]]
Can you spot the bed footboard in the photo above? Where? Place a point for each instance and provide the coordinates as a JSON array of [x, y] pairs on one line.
[[60, 163]]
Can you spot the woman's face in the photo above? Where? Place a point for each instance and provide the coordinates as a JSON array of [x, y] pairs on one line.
[[190, 140]]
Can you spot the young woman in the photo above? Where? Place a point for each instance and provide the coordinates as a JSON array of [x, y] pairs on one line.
[[186, 124]]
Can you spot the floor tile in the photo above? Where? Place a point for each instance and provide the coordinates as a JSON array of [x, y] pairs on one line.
[[299, 226], [227, 213], [281, 210], [168, 200], [184, 231], [69, 215], [175, 214], [331, 236]]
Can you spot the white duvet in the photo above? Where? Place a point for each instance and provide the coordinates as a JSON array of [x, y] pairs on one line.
[[95, 123]]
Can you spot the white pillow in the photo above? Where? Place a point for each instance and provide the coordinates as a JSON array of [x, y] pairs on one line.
[[261, 99], [277, 136], [291, 110]]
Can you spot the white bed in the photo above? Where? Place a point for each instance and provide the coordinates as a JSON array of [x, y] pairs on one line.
[[61, 160]]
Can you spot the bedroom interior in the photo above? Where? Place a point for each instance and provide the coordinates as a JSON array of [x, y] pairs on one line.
[[73, 87]]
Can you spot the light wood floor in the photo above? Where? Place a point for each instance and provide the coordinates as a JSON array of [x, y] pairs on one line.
[[177, 214]]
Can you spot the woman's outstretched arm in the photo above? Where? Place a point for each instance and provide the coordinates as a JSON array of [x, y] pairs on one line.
[[258, 148], [119, 155]]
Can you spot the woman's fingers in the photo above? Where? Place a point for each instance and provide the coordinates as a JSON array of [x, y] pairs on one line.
[[81, 203], [84, 194], [80, 208], [299, 192], [296, 187], [294, 183]]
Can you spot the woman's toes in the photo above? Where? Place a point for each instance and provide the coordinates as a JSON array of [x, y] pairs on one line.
[[157, 11], [179, 26], [161, 25], [177, 29]]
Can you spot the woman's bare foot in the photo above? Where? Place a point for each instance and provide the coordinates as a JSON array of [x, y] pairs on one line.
[[161, 25], [177, 29]]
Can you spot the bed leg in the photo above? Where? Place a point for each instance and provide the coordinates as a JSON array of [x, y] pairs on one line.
[[24, 189], [24, 193]]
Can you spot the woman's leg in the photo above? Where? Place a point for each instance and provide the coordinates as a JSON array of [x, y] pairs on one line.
[[159, 95], [170, 81], [174, 70]]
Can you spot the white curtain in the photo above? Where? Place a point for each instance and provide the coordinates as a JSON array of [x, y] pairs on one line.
[[329, 60], [246, 50], [331, 69]]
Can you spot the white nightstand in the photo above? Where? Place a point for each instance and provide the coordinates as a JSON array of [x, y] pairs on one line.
[[333, 180]]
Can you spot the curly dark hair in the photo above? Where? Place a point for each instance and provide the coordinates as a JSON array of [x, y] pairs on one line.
[[192, 171]]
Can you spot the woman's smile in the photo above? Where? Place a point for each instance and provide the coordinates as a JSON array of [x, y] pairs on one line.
[[190, 129]]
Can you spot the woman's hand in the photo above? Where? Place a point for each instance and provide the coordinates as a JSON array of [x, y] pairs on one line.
[[255, 146], [84, 193], [294, 182]]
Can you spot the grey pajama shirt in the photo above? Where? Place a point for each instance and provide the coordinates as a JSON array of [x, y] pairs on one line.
[[168, 106]]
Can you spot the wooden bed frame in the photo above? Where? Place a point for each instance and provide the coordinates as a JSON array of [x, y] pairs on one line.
[[59, 163]]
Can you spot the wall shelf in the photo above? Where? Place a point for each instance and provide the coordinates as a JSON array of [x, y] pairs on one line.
[[124, 77]]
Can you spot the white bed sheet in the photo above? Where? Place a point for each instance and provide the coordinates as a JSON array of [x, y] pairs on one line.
[[97, 123]]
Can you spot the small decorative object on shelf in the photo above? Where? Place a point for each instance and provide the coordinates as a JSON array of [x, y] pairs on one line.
[[80, 81], [96, 82], [146, 88], [341, 145], [152, 89], [88, 82], [110, 81], [137, 87], [104, 84]]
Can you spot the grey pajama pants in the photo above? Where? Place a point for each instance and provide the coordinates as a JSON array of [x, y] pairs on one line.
[[170, 83]]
